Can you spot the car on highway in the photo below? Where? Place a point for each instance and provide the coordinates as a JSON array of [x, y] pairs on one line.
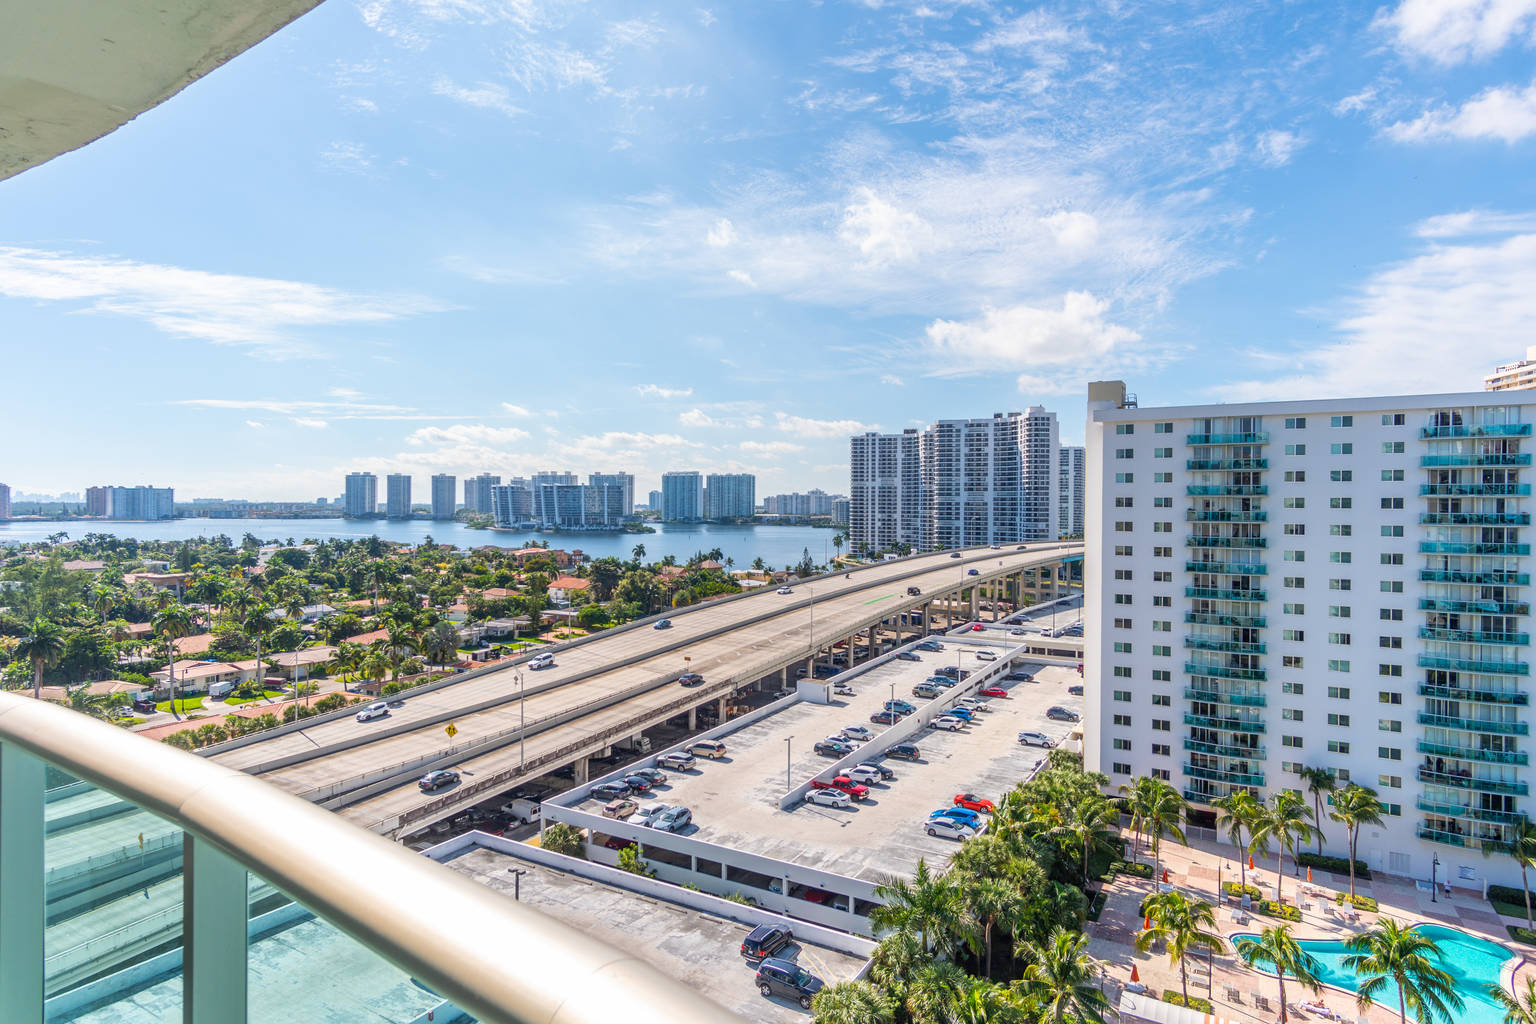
[[914, 592], [907, 656], [673, 819], [1061, 714], [833, 748], [1076, 689], [828, 798], [843, 784], [619, 809], [545, 660], [867, 774], [378, 709], [901, 707], [646, 816], [437, 780], [925, 689], [971, 818], [996, 547], [1022, 547], [788, 979], [947, 723], [784, 590], [677, 760], [873, 766], [858, 733], [637, 783], [1030, 738], [655, 776], [973, 572], [885, 718], [986, 656], [992, 691], [904, 751], [711, 749], [609, 790], [765, 940], [948, 828], [972, 802], [691, 679], [1018, 632], [663, 624]]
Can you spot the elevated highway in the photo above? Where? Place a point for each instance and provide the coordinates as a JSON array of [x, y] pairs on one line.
[[512, 724]]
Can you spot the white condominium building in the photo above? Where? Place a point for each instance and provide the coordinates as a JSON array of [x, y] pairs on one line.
[[362, 495], [1516, 376], [623, 481], [885, 500], [397, 496], [1073, 468], [682, 497], [1340, 584], [730, 495], [444, 495]]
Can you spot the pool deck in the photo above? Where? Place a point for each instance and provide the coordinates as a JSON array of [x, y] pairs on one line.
[[1195, 870]]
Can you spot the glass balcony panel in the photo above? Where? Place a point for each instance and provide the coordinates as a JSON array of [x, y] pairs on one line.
[[1215, 594], [1485, 430], [1205, 643], [1475, 725], [1474, 753], [1252, 725], [1451, 777], [1246, 700], [1495, 577], [1475, 518], [1217, 775], [1449, 490], [1223, 515], [1225, 671], [1469, 694], [1216, 619], [1441, 604], [1435, 835], [1448, 810], [1473, 636], [1226, 542], [1450, 547], [1224, 750], [1198, 465], [1496, 668], [1257, 437], [1476, 459], [1237, 490], [1229, 568]]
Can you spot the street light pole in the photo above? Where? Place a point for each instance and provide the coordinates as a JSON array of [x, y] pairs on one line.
[[1434, 886], [522, 725], [788, 761]]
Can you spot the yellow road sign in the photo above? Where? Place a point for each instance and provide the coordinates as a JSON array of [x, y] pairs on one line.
[[451, 730]]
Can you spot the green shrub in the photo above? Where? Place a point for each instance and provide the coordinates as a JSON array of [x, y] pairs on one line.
[[1361, 902], [1284, 912], [1195, 1002], [1338, 865], [1096, 907], [1522, 935], [1509, 894], [563, 838], [1234, 889], [1120, 867]]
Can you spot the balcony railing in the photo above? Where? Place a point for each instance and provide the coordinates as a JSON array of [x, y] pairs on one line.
[[1223, 750], [1474, 753], [1215, 619], [1492, 668], [1223, 515], [1228, 724], [1441, 604], [1217, 594], [1217, 490], [1195, 771], [1475, 725], [1482, 577], [1472, 782], [1242, 700], [1473, 636], [1424, 803], [1255, 437], [1206, 643], [1476, 459], [1453, 547], [1475, 518], [1229, 568], [1226, 542], [1225, 671], [1483, 430], [1452, 490], [1436, 835], [1513, 697], [1196, 465]]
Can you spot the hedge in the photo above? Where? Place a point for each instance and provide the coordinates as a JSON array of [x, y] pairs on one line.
[[1508, 894], [1096, 906], [1234, 889], [1195, 1002], [1284, 911], [1120, 867], [1522, 935], [1361, 902], [1338, 865]]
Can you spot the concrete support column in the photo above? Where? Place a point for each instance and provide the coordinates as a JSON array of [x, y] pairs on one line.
[[582, 769], [874, 638], [927, 627], [784, 678], [693, 719], [22, 919], [721, 709], [973, 602], [213, 935]]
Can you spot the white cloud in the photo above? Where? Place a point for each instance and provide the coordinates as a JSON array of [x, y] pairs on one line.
[[255, 424], [312, 424], [1275, 148], [515, 410], [347, 157], [486, 96], [657, 391], [1454, 31], [741, 277], [881, 232], [696, 418], [770, 447], [801, 426], [264, 314], [341, 392], [721, 234], [1469, 223], [466, 433], [1433, 323], [1361, 100], [1030, 338], [1074, 229], [891, 380], [342, 410], [1506, 113], [706, 17]]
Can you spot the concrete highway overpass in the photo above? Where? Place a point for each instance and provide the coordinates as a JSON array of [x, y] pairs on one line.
[[512, 724]]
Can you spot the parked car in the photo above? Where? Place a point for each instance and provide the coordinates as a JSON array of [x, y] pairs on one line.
[[637, 783], [948, 828], [663, 624], [947, 672], [620, 809], [673, 819], [765, 940], [926, 689], [947, 723], [833, 748], [900, 706], [885, 718], [1076, 689], [1061, 714], [1021, 676], [914, 592], [843, 784], [691, 679], [929, 645], [784, 590], [655, 776], [986, 656], [378, 709], [678, 761], [647, 815], [874, 766], [789, 980], [437, 780], [992, 691], [866, 774], [858, 733], [904, 751], [907, 656], [712, 749], [1035, 739], [828, 798], [610, 790], [545, 660], [976, 704], [972, 802], [843, 690], [970, 818], [964, 714]]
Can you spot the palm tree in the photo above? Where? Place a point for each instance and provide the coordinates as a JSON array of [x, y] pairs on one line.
[[935, 991], [897, 959], [990, 903], [253, 624], [1357, 805], [1276, 950], [928, 905], [87, 703], [375, 665], [1090, 827], [1139, 796], [1163, 816], [1319, 782], [1182, 924], [982, 1002], [1240, 812], [171, 622], [852, 1002], [103, 598], [43, 645], [440, 642], [638, 552], [1521, 846], [1062, 978], [1517, 1009], [1285, 822], [1393, 954]]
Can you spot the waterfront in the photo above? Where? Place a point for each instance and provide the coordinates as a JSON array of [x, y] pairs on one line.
[[777, 545]]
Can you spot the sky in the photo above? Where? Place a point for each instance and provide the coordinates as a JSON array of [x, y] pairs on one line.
[[510, 235]]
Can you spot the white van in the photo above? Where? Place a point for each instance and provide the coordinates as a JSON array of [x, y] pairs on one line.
[[217, 690], [545, 660], [525, 811]]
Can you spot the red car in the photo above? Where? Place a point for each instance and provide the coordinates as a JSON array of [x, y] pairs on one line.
[[972, 802], [857, 790], [994, 691], [976, 628]]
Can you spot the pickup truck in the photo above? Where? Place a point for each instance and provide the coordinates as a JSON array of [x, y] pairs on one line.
[[843, 783]]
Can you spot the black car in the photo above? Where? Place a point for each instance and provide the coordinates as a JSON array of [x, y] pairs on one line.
[[437, 780], [145, 705], [766, 940], [784, 978], [905, 751], [1076, 689], [954, 554], [930, 645], [691, 679], [885, 718], [832, 748], [610, 790], [885, 773], [914, 592], [907, 656]]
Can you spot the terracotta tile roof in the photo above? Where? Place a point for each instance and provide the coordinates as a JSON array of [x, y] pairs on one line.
[[568, 583]]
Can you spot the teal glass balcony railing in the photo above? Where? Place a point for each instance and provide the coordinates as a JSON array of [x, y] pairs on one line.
[[1225, 671], [1229, 568], [1195, 771], [1475, 518], [1473, 636], [1229, 724], [1489, 577], [1223, 750], [1258, 437], [1494, 490], [1475, 725], [1494, 668], [1512, 697], [1226, 542], [1476, 459], [1218, 594], [1454, 547], [1218, 490], [1225, 464], [1474, 753], [1436, 835], [1472, 782], [1475, 813], [1483, 430], [1223, 515], [1215, 619], [1442, 604], [1207, 643], [1240, 700]]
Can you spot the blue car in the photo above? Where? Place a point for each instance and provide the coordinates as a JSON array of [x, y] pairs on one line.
[[964, 713], [959, 814]]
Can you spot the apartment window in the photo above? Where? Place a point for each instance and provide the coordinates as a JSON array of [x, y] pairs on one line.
[[1162, 502], [1162, 700], [1339, 611], [1125, 501], [1162, 601], [1392, 530], [1123, 549], [1389, 696], [1295, 423], [1290, 741], [1162, 552], [1291, 767], [1389, 753], [1339, 692], [1295, 636], [1341, 639], [1392, 615], [1338, 746], [1162, 428], [1162, 527], [1125, 428], [1341, 475], [1391, 504], [1125, 478], [1294, 582], [1296, 688], [1295, 476], [1120, 768], [1293, 661], [1335, 665], [1342, 721], [1295, 609], [1162, 576], [1123, 696], [1123, 720], [1162, 626], [1162, 478], [1162, 675], [1122, 672], [1162, 725], [1344, 448], [1295, 449], [1341, 503], [1394, 810], [1339, 585], [1161, 774], [1391, 558], [1295, 529], [1392, 475], [1123, 526], [1160, 651], [1391, 586], [1391, 447], [1294, 556], [1122, 574], [1393, 419], [1121, 647], [1389, 670], [1295, 502], [1341, 530], [1340, 556], [1161, 749], [1121, 743], [1293, 714], [1341, 421], [1162, 453], [1122, 623], [1393, 642], [1389, 781], [1125, 453], [1389, 724]]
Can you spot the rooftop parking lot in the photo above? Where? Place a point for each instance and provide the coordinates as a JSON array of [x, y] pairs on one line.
[[735, 800], [698, 949]]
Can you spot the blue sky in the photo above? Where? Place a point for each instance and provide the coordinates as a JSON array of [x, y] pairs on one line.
[[506, 235]]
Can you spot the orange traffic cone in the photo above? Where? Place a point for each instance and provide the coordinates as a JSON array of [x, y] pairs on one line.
[[1135, 974], [1146, 923], [1250, 862], [1309, 874], [1165, 874]]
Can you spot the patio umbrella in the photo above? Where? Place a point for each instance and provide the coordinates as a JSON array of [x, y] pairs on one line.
[[1309, 874], [1135, 975]]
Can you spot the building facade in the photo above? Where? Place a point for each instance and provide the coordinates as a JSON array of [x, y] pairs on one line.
[[5, 501], [653, 501], [682, 497], [1348, 581], [444, 495], [624, 481], [477, 492], [397, 496], [730, 496], [134, 502], [1517, 376], [361, 497], [97, 500], [885, 495], [512, 506], [1073, 467], [814, 502]]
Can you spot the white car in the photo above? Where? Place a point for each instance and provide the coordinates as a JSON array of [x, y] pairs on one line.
[[542, 661], [828, 798], [948, 722], [985, 656], [976, 704], [947, 828], [1036, 739], [784, 590], [377, 709], [857, 732], [647, 815], [862, 774]]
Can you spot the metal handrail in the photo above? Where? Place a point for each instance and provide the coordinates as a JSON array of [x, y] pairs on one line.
[[439, 926]]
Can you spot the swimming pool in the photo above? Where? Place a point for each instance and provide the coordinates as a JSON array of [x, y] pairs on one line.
[[1472, 962]]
